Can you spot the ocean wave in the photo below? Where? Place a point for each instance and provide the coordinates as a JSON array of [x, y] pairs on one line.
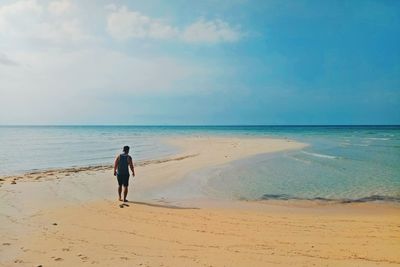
[[320, 155], [361, 145], [377, 138], [372, 198]]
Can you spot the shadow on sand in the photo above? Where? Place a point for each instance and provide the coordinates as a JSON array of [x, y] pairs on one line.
[[166, 206]]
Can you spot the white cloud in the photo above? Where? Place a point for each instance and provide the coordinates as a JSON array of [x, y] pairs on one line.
[[18, 14], [30, 20], [123, 24], [58, 22], [203, 31], [60, 7], [20, 7]]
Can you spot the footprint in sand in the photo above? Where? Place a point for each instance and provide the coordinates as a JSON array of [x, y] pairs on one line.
[[58, 259], [83, 257]]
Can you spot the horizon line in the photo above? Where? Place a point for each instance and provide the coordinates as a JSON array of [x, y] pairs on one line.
[[191, 125]]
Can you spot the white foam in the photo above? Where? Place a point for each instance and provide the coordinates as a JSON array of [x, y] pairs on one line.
[[361, 144], [319, 155]]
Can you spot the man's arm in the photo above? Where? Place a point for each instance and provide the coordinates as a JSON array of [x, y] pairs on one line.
[[116, 165], [131, 165]]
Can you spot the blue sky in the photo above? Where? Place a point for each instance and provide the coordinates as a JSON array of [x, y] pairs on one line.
[[199, 62]]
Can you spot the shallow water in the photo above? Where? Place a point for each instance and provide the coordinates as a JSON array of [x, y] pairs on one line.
[[342, 162], [346, 164], [25, 148]]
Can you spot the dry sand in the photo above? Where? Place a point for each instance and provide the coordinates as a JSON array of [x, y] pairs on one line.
[[70, 218]]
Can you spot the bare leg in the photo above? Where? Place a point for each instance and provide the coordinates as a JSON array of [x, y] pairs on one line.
[[125, 193], [119, 192]]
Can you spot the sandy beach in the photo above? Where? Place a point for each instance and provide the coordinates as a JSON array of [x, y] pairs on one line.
[[70, 217]]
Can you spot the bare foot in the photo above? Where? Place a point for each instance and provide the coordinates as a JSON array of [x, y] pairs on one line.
[[120, 199], [125, 200]]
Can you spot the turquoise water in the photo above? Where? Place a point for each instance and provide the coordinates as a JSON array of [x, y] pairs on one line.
[[25, 148], [308, 175], [342, 162]]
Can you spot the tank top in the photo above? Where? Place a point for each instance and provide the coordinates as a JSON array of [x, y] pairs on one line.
[[123, 169]]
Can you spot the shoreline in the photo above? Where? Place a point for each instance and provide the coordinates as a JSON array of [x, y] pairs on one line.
[[184, 153], [52, 173]]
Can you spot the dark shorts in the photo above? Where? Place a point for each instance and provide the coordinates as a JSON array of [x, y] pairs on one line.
[[123, 180]]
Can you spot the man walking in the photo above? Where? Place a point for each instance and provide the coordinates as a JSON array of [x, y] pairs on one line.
[[122, 172]]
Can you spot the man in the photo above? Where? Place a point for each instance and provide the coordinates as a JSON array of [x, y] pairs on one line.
[[122, 172]]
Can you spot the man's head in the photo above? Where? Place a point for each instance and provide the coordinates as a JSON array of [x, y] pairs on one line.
[[126, 149]]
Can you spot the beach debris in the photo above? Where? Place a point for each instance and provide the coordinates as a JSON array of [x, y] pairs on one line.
[[39, 265], [13, 182], [55, 224]]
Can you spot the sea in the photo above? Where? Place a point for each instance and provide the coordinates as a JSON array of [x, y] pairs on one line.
[[341, 163]]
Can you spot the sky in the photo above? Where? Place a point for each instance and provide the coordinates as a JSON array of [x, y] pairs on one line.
[[207, 62]]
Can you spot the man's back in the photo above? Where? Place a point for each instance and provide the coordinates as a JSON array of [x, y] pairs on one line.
[[123, 163]]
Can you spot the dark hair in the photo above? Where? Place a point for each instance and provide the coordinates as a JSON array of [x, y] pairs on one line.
[[126, 149]]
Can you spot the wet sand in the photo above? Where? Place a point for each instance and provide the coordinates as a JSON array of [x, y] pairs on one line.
[[71, 217]]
